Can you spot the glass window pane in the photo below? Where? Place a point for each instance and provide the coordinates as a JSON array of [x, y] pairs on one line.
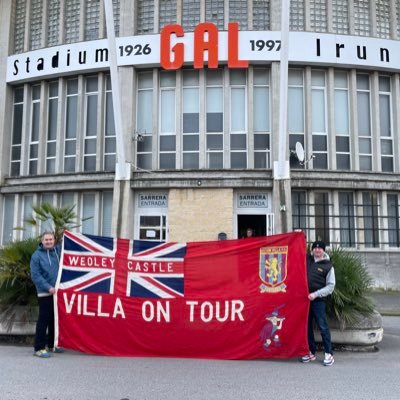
[[342, 144], [261, 109], [168, 111], [238, 110], [295, 110]]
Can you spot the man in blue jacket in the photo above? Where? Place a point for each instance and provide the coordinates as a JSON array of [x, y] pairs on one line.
[[44, 266]]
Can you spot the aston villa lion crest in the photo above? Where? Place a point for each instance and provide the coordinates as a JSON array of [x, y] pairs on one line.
[[273, 268]]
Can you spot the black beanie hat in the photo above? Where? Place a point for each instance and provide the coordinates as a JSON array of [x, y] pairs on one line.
[[318, 243]]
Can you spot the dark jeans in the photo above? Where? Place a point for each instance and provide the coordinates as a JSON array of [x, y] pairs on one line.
[[45, 324], [318, 313]]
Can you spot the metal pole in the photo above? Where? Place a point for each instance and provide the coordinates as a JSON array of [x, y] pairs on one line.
[[281, 167], [122, 168]]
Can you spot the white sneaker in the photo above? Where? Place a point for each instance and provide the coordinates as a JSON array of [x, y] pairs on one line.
[[328, 360], [308, 357]]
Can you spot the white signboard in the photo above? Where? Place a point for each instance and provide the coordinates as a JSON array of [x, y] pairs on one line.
[[247, 46], [252, 200], [152, 200]]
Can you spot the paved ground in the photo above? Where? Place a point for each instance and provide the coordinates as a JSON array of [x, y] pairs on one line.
[[78, 376], [387, 302]]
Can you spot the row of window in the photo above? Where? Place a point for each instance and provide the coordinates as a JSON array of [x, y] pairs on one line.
[[340, 218], [209, 119], [45, 26], [93, 210], [54, 22], [348, 219]]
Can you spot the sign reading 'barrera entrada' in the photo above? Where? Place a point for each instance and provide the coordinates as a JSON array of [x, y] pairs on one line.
[[206, 47]]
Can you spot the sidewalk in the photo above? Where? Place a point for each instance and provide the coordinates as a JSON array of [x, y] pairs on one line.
[[386, 302]]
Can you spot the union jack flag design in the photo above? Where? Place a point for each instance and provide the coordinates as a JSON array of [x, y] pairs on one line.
[[88, 263], [156, 270]]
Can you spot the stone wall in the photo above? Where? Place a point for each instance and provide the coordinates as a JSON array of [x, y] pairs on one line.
[[199, 214], [384, 266]]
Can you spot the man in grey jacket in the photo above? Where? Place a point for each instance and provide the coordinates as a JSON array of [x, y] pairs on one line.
[[44, 265], [321, 283]]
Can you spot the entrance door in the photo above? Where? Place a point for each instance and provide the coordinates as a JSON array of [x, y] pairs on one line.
[[257, 223]]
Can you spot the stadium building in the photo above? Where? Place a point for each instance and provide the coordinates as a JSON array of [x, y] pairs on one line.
[[206, 117]]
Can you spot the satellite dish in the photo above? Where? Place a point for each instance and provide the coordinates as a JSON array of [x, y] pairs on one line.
[[299, 152]]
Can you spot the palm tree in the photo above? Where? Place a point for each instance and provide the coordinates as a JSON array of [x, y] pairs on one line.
[[16, 286], [349, 301], [59, 218]]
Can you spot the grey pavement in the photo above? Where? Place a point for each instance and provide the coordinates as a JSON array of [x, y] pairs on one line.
[[386, 302], [355, 375]]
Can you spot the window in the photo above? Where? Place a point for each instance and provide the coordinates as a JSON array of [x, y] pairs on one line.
[[322, 217], [346, 217], [145, 17], [370, 219], [261, 118], [215, 12], [34, 131], [46, 225], [144, 126], [117, 15], [238, 13], [8, 219], [238, 119], [383, 18], [318, 15], [364, 122], [342, 121], [71, 121], [92, 19], [153, 227], [318, 120], [299, 211], [167, 13], [51, 145], [106, 223], [214, 119], [16, 143], [190, 119], [385, 118], [36, 24], [362, 17], [393, 220], [297, 15], [109, 134], [27, 214], [295, 113], [90, 141], [190, 14], [19, 26], [261, 15], [167, 120], [53, 22], [71, 21], [340, 16], [88, 213]]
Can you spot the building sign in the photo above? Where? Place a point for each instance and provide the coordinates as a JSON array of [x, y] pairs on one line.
[[252, 200], [205, 46], [153, 200]]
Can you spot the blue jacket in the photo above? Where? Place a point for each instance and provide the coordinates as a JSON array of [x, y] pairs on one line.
[[44, 269]]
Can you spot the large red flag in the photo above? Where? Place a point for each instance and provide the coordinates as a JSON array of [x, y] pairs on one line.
[[233, 299]]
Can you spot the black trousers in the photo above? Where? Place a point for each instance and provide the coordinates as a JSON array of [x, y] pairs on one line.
[[45, 324]]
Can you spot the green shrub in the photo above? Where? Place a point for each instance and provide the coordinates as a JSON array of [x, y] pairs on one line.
[[349, 302], [16, 286]]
